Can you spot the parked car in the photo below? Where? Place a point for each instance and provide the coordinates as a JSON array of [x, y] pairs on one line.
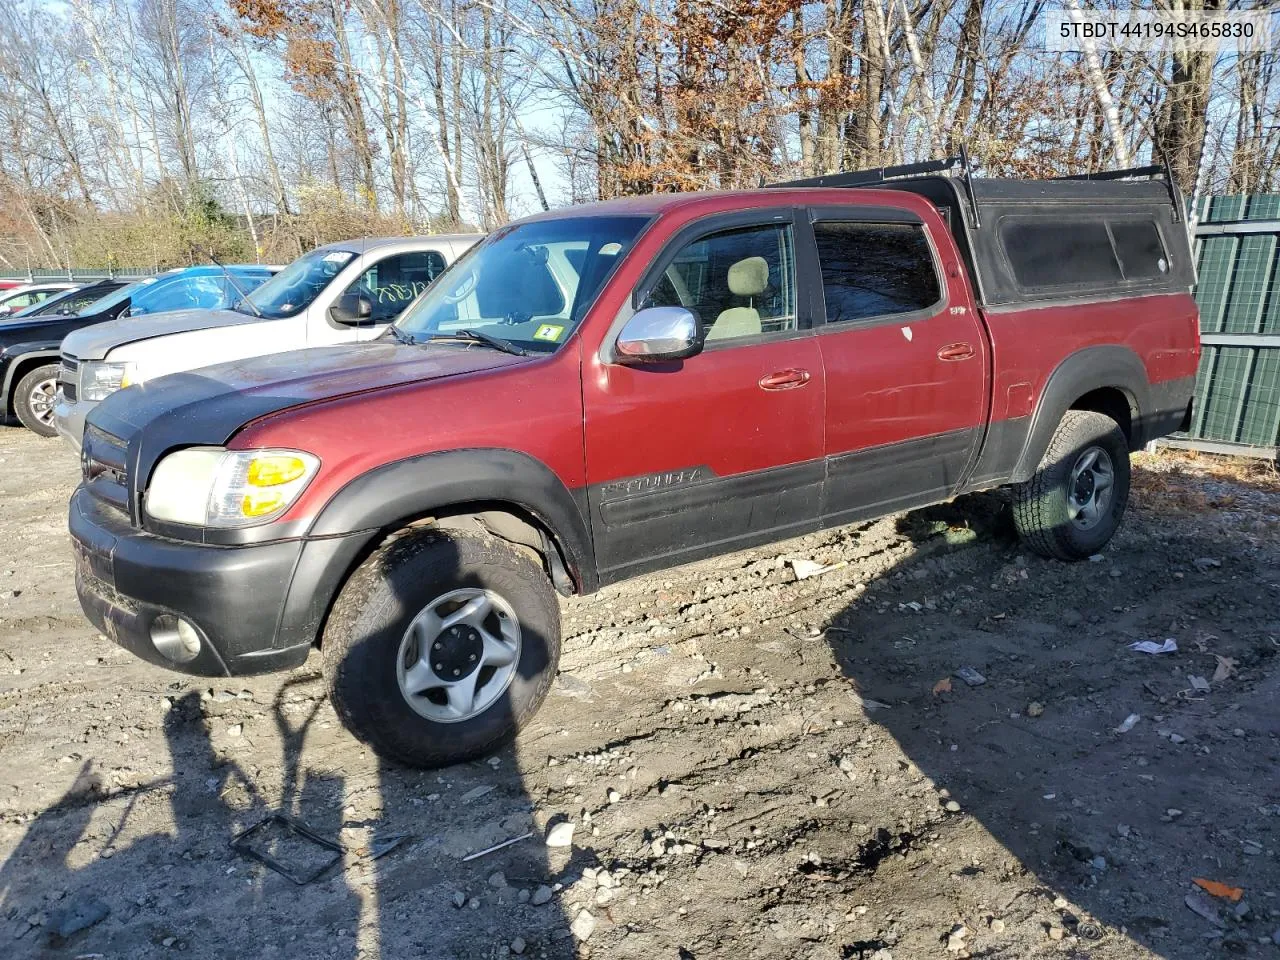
[[613, 389], [19, 298], [29, 350], [72, 300], [340, 293]]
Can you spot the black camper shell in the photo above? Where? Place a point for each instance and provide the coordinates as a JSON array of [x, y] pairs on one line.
[[1112, 235]]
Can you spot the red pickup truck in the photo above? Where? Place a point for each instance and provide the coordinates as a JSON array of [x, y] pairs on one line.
[[616, 388]]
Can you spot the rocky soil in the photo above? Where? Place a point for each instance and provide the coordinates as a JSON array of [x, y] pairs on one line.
[[942, 747]]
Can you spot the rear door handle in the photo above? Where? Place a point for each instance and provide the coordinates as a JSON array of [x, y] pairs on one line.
[[955, 351], [785, 379]]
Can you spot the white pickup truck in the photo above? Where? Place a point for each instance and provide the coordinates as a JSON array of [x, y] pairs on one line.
[[340, 293]]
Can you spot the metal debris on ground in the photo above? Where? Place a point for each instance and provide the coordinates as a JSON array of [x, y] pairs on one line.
[[1129, 722], [1198, 684], [804, 569], [1226, 668], [1199, 904], [1225, 891], [276, 832], [1150, 646], [475, 793], [971, 676], [497, 846], [381, 846]]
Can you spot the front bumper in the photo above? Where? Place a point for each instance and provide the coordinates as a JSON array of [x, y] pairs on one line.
[[257, 609], [68, 418]]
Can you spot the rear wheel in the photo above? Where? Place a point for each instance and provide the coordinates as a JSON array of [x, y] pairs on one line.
[[34, 398], [1074, 503], [440, 647]]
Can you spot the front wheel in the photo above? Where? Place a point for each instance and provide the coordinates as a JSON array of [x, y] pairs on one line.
[[1073, 504], [34, 398], [441, 646]]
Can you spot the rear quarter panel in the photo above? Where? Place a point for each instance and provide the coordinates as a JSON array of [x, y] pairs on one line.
[[1028, 344]]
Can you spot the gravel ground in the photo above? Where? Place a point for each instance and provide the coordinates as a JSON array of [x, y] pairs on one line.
[[753, 766]]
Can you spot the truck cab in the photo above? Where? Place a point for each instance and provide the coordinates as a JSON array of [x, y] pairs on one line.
[[340, 293], [623, 387]]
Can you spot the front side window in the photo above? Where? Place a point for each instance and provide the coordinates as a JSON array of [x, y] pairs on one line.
[[875, 269], [739, 283], [296, 287], [529, 284], [392, 283]]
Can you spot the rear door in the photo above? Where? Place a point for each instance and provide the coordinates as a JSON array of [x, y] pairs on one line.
[[724, 449], [905, 359]]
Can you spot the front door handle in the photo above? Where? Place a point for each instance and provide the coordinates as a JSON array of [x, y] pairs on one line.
[[956, 351], [785, 379]]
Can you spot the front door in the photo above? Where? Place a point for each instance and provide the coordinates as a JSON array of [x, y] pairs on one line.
[[722, 450], [906, 363]]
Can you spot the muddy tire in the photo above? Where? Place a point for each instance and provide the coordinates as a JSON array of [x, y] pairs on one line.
[[33, 400], [1073, 504], [440, 647]]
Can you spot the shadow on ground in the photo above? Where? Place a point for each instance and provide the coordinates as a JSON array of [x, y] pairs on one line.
[[1023, 729]]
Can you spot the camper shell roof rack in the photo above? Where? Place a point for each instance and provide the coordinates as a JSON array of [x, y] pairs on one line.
[[985, 213]]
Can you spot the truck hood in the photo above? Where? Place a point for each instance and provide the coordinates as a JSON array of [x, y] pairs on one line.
[[94, 343], [43, 332], [209, 405]]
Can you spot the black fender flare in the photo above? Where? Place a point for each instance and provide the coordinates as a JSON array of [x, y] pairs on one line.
[[1093, 368], [29, 351], [397, 493]]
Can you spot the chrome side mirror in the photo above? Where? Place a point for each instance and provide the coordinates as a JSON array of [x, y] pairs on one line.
[[659, 334]]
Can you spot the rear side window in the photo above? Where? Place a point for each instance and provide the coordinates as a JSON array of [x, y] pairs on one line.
[[1048, 253], [1139, 249], [875, 269]]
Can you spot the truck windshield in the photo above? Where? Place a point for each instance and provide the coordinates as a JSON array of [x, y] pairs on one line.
[[294, 288], [529, 284]]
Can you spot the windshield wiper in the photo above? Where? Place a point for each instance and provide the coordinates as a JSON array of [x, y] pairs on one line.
[[477, 336], [244, 297], [401, 335]]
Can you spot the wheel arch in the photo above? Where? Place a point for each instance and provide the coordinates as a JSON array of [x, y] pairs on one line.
[[19, 367], [506, 493], [1108, 379]]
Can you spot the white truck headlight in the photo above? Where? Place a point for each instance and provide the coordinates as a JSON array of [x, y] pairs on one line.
[[99, 380], [213, 487]]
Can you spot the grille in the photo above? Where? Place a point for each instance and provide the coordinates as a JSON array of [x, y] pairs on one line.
[[69, 377]]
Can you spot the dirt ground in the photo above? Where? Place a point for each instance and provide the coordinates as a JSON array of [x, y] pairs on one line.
[[754, 767]]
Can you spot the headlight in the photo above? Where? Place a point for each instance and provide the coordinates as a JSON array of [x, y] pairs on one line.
[[99, 380], [213, 487]]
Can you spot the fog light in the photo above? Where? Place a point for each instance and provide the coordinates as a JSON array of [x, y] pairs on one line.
[[176, 639]]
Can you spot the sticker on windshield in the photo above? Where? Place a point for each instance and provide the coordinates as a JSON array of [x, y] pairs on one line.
[[338, 256], [610, 249], [549, 331]]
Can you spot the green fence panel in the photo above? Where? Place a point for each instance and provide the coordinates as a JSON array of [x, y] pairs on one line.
[[1238, 387]]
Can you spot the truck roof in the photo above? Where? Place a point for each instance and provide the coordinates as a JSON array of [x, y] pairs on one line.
[[367, 244], [1021, 240], [713, 201]]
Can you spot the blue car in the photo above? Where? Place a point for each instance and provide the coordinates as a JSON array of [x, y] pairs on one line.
[[194, 288], [29, 348]]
